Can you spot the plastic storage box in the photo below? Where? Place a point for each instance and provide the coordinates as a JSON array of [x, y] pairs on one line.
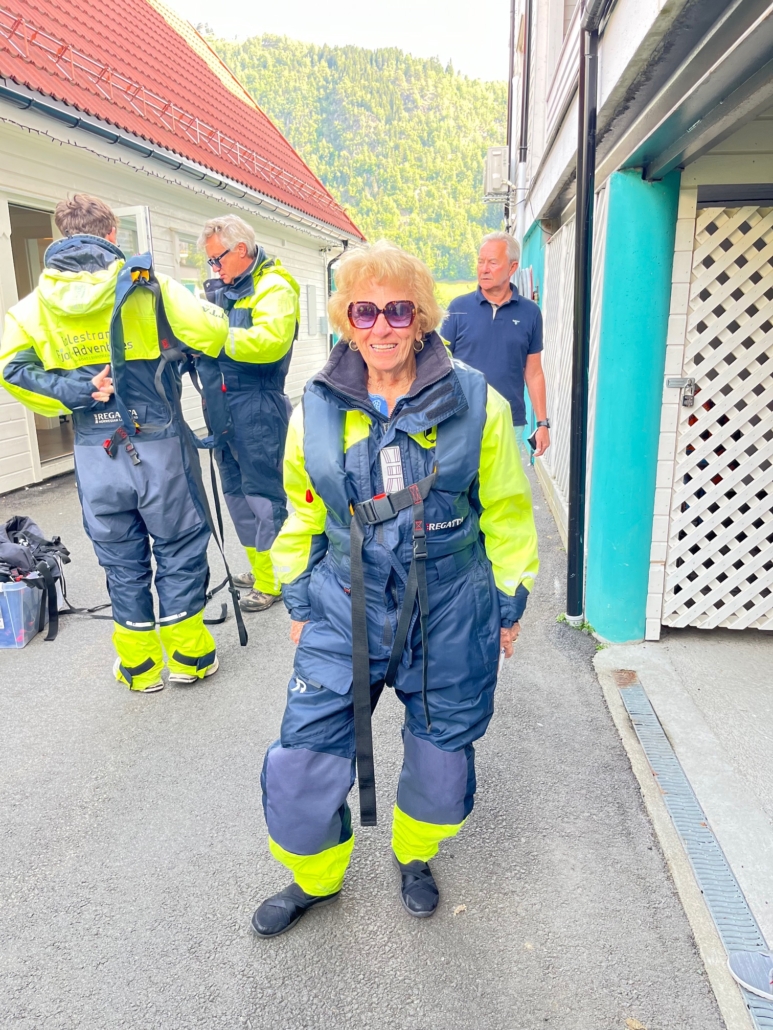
[[19, 613]]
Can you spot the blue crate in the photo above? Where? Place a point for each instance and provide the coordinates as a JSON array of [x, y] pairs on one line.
[[19, 613]]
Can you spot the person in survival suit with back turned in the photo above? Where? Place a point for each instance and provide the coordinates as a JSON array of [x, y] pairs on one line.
[[406, 486], [54, 359], [244, 393]]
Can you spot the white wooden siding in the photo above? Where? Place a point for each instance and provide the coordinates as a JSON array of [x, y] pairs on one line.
[[596, 300], [553, 468], [566, 74], [37, 170]]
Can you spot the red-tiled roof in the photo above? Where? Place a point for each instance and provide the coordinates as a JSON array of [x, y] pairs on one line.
[[123, 63]]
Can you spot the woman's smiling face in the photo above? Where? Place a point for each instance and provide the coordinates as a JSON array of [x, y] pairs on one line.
[[383, 348]]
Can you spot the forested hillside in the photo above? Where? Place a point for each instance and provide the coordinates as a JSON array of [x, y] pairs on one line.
[[398, 140]]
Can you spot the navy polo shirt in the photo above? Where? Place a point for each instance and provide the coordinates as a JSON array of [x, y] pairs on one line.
[[497, 343]]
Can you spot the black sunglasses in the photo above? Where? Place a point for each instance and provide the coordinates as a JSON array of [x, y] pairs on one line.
[[363, 314], [216, 261]]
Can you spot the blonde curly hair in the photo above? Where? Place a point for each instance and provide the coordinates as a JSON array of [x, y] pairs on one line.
[[381, 263]]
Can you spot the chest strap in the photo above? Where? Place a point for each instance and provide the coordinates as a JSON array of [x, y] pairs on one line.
[[371, 513]]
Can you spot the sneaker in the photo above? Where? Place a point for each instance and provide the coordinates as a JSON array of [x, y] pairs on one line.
[[281, 912], [184, 679], [256, 601], [418, 890], [244, 579], [152, 688], [754, 971]]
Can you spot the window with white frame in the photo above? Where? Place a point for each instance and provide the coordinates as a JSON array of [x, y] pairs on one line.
[[191, 264]]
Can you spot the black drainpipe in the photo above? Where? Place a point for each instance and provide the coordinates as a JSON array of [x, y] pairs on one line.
[[510, 114], [583, 251], [344, 244], [523, 141]]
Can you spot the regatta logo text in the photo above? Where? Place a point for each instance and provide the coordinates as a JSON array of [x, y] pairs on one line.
[[101, 417], [445, 525]]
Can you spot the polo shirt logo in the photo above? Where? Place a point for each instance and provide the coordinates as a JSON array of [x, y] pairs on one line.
[[516, 322]]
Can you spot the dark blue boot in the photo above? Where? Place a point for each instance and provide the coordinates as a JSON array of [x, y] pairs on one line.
[[282, 911], [418, 889]]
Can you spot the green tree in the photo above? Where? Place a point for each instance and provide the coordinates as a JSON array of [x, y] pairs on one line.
[[398, 140]]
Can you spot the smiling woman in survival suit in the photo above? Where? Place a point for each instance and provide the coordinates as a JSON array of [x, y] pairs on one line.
[[57, 349], [406, 562]]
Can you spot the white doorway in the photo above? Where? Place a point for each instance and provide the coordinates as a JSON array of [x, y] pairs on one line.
[[32, 232]]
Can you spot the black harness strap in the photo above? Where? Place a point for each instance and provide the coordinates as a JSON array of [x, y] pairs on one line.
[[363, 733], [416, 587], [372, 513], [46, 583], [49, 595], [190, 368]]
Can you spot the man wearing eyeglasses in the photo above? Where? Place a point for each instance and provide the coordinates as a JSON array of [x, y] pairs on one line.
[[244, 396]]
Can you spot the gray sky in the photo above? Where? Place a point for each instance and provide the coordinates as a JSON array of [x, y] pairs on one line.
[[472, 35]]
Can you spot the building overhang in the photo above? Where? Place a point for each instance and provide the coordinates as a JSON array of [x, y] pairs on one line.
[[726, 81], [56, 112], [678, 99]]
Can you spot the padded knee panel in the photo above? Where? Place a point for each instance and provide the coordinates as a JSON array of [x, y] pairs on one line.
[[304, 798], [436, 786]]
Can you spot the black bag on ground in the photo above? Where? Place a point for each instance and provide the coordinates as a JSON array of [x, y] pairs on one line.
[[25, 554]]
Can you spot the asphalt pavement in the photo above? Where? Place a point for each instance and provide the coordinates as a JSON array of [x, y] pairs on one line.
[[133, 849]]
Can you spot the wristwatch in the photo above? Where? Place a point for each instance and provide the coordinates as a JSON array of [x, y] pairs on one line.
[[544, 424]]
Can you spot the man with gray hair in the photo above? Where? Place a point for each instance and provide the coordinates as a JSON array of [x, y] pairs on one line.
[[244, 396], [499, 332]]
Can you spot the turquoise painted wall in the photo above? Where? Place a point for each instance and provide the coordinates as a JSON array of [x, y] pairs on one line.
[[641, 225], [533, 253]]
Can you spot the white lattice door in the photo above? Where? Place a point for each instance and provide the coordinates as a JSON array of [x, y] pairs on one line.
[[719, 566]]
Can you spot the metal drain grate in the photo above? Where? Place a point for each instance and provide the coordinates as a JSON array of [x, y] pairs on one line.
[[737, 926]]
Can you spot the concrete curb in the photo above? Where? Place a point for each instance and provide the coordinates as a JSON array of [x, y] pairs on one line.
[[712, 952]]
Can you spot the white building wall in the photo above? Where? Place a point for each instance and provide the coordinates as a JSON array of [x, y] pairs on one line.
[[38, 168], [625, 31]]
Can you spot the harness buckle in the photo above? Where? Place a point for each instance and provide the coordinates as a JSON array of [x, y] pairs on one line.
[[368, 511], [131, 450], [111, 445], [419, 540], [376, 510]]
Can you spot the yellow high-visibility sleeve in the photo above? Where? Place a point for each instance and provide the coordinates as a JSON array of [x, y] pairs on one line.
[[291, 552], [196, 323], [275, 313], [507, 520], [14, 341]]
